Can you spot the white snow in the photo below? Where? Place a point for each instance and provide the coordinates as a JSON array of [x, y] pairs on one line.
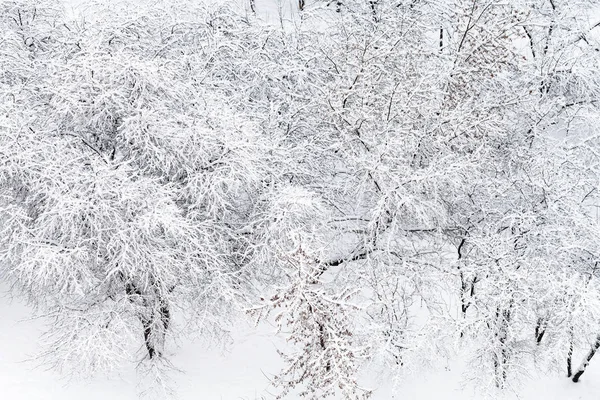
[[239, 373]]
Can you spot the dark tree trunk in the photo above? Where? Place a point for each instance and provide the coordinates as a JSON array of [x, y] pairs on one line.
[[467, 286], [147, 324], [503, 318], [165, 315], [586, 362], [154, 326], [322, 338], [322, 343], [540, 330], [463, 283], [570, 354]]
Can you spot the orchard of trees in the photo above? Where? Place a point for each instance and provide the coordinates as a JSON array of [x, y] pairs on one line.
[[388, 180]]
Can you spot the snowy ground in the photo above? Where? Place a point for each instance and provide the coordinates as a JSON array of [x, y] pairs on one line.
[[239, 374]]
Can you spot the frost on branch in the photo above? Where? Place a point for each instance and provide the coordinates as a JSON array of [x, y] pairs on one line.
[[325, 356], [124, 186]]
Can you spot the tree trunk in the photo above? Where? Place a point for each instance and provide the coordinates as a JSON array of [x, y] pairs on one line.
[[586, 362], [147, 324], [540, 330], [503, 318], [570, 353], [464, 286], [154, 326]]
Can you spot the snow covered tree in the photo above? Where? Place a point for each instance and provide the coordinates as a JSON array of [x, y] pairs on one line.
[[126, 182]]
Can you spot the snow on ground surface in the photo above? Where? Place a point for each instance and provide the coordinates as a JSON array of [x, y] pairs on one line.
[[241, 373]]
